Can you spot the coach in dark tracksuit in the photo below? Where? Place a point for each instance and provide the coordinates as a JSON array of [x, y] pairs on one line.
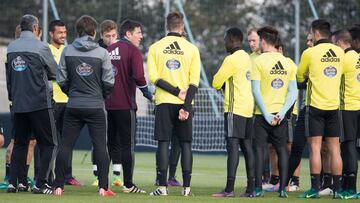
[[85, 75], [30, 67]]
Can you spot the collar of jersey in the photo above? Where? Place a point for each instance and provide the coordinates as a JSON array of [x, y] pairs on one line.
[[322, 41], [348, 49], [174, 34]]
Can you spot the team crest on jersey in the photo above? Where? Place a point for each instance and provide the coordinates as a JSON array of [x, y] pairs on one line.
[[330, 71], [278, 69], [19, 64], [173, 64], [277, 83], [330, 56], [173, 48], [248, 75], [115, 70], [84, 69]]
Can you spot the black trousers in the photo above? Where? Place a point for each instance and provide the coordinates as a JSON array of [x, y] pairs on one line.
[[74, 121], [59, 112], [42, 124], [121, 141], [298, 145]]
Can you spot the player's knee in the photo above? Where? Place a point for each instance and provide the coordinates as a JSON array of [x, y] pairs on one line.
[[2, 140]]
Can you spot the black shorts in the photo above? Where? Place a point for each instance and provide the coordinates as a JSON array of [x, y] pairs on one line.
[[167, 122], [291, 127], [265, 133], [238, 126], [322, 122], [350, 125]]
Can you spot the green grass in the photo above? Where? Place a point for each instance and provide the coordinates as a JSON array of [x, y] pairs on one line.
[[209, 173]]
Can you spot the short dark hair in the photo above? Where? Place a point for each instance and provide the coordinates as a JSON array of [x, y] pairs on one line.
[[322, 26], [174, 20], [107, 26], [235, 34], [279, 44], [28, 21], [343, 35], [86, 25], [128, 26], [55, 23], [269, 34], [355, 32]]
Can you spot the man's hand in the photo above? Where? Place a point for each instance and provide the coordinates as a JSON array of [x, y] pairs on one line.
[[182, 94], [271, 119], [183, 115]]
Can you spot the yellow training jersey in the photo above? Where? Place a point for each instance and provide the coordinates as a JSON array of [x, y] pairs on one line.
[[235, 73], [254, 55], [323, 65], [274, 71], [58, 95], [176, 61], [350, 87]]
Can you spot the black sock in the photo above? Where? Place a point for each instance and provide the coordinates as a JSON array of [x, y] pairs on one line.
[[95, 172], [345, 182], [295, 180], [274, 179], [327, 178], [336, 182], [7, 169], [230, 185], [315, 181], [352, 181], [27, 169], [250, 185], [117, 173]]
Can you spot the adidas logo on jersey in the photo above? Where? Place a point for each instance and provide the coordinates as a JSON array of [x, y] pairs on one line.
[[173, 48], [330, 56], [278, 69], [114, 54]]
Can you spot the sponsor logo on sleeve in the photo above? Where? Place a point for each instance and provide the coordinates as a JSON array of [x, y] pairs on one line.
[[330, 71], [277, 83], [19, 64], [84, 69], [173, 64], [115, 70]]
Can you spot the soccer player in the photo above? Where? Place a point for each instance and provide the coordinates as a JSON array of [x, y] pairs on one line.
[[174, 67], [58, 32], [9, 149], [350, 106], [234, 74], [121, 104], [254, 43], [30, 66], [322, 65], [108, 36], [274, 89], [85, 75], [291, 117]]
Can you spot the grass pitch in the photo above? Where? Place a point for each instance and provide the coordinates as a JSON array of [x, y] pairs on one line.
[[209, 176]]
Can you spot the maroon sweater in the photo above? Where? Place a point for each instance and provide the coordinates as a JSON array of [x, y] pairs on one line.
[[128, 69]]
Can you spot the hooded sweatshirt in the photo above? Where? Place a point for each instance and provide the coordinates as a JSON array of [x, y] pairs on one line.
[[85, 73]]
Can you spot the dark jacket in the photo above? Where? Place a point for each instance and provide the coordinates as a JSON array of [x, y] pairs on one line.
[[85, 73], [128, 67], [30, 67]]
